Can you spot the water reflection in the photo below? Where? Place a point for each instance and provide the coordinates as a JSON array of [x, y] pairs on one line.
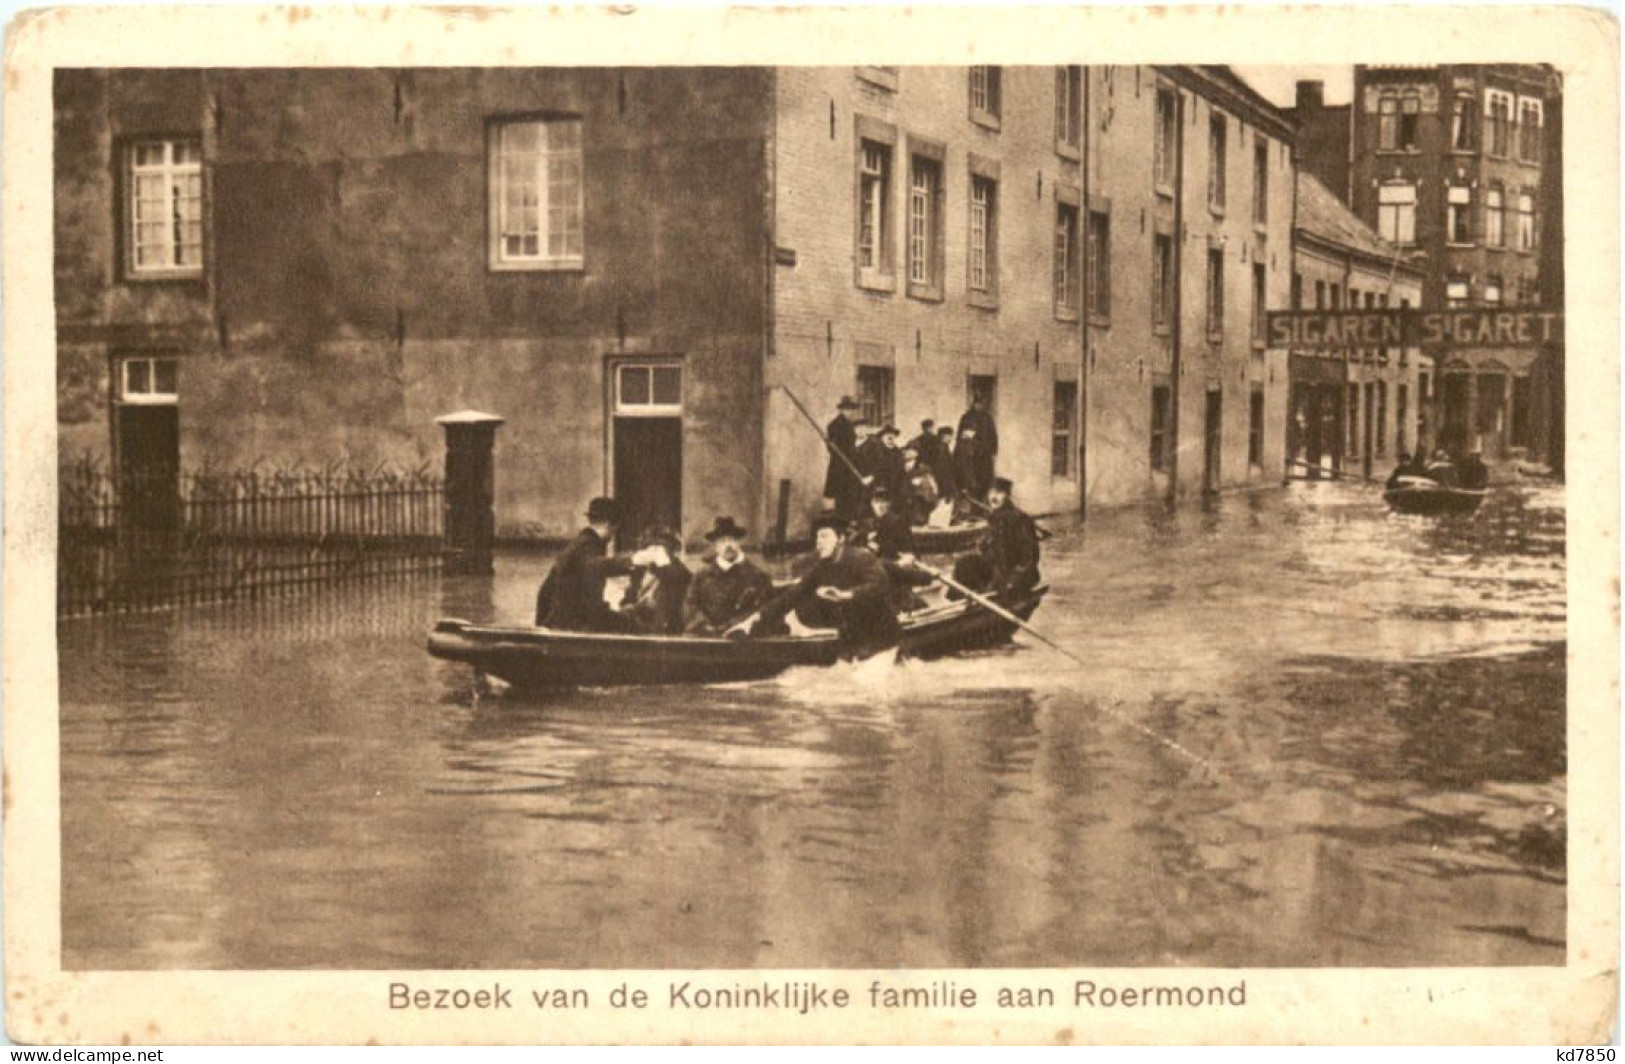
[[1380, 698]]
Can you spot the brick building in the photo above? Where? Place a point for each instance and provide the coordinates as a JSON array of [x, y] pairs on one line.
[[635, 267], [1361, 408], [1452, 161], [1189, 180]]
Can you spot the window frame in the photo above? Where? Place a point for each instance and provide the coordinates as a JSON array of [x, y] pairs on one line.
[[151, 396], [881, 409], [1063, 437], [1255, 426], [1498, 116], [1462, 122], [1218, 131], [1529, 132], [1165, 130], [497, 258], [1066, 269], [1215, 294], [1069, 111], [1261, 181], [1098, 255], [1162, 398], [1162, 282], [1402, 211], [1458, 216], [1495, 215], [933, 236], [1528, 233], [989, 110], [128, 199], [1260, 305], [880, 275]]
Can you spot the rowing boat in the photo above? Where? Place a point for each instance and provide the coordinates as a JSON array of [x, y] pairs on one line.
[[1427, 497], [541, 658]]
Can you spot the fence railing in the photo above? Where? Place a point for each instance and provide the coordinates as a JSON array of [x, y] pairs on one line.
[[159, 539]]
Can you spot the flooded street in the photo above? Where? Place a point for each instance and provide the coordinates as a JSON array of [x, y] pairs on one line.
[[1380, 698]]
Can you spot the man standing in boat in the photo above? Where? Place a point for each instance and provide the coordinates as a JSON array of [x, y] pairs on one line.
[[728, 586], [843, 489], [572, 596], [846, 589], [1007, 559]]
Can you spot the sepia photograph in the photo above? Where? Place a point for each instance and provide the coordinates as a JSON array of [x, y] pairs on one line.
[[749, 518]]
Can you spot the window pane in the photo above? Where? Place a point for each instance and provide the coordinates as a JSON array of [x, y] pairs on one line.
[[164, 376], [635, 388], [668, 385], [138, 377]]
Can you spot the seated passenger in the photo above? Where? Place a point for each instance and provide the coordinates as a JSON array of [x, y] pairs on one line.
[[923, 493], [886, 532], [1471, 472], [846, 589], [1007, 559], [728, 586], [660, 582]]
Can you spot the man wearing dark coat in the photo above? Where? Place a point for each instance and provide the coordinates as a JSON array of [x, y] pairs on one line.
[[926, 443], [728, 586], [659, 586], [885, 531], [842, 487], [882, 462], [1007, 559], [942, 465], [572, 596], [979, 440], [845, 589]]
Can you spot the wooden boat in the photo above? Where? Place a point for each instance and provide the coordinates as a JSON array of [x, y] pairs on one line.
[[1427, 497], [539, 658], [948, 539]]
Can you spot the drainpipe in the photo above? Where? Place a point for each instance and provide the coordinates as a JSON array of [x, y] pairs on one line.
[[1085, 140], [1178, 329]]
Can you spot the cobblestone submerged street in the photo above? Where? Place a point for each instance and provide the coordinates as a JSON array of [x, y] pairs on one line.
[[1381, 699]]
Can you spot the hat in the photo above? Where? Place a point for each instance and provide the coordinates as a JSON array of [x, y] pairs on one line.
[[834, 521], [602, 510], [662, 536], [881, 493], [725, 526], [1002, 484], [847, 403], [888, 430], [945, 430], [927, 425]]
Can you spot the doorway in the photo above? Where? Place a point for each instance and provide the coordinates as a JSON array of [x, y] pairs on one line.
[[646, 446], [1212, 441], [147, 444]]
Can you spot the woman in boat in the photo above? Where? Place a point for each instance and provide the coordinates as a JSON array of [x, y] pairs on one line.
[[728, 586], [846, 589], [659, 586]]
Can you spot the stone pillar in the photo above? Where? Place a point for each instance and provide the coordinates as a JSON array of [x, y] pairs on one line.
[[470, 492]]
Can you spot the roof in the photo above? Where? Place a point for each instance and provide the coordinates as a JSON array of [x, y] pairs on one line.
[[1323, 216]]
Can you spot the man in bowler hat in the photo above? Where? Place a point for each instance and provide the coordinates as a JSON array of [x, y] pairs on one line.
[[843, 487], [728, 586], [845, 589], [572, 596]]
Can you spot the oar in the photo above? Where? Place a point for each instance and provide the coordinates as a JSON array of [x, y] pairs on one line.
[[999, 611], [834, 450]]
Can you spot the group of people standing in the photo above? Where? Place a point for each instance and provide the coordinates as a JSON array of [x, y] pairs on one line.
[[939, 466]]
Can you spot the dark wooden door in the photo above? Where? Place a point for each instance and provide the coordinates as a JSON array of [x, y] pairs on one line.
[[149, 463], [648, 474]]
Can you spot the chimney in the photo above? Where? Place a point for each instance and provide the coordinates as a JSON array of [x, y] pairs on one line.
[[1311, 97]]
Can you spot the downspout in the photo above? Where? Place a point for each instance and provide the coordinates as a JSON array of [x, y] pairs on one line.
[[1177, 331], [764, 490], [1085, 140]]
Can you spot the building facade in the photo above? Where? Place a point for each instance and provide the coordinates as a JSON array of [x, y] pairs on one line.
[[1358, 409], [1189, 179], [1452, 161], [642, 270]]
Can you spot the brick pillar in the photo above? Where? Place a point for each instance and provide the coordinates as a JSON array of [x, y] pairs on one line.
[[470, 493]]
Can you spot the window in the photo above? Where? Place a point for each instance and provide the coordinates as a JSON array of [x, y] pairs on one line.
[[1215, 293], [1161, 399], [1526, 221], [1456, 292], [984, 94], [1167, 130], [1261, 181], [1100, 251], [1337, 297], [537, 191], [924, 226], [1065, 429], [874, 206], [1526, 291], [648, 390], [1068, 278], [1458, 215], [1351, 421], [1397, 119], [1259, 299], [1162, 280], [1519, 435], [1216, 131], [148, 380], [983, 258], [165, 183], [1499, 121], [1068, 106], [875, 392], [1320, 295], [1529, 130], [1495, 217], [1396, 213], [1492, 290], [1297, 291], [1255, 426], [1461, 124]]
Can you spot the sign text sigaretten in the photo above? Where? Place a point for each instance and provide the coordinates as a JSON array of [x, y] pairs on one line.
[[1407, 327]]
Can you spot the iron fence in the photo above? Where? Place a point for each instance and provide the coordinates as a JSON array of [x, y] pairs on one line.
[[143, 542]]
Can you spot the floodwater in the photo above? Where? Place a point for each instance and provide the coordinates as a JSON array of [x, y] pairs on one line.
[[1379, 701]]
